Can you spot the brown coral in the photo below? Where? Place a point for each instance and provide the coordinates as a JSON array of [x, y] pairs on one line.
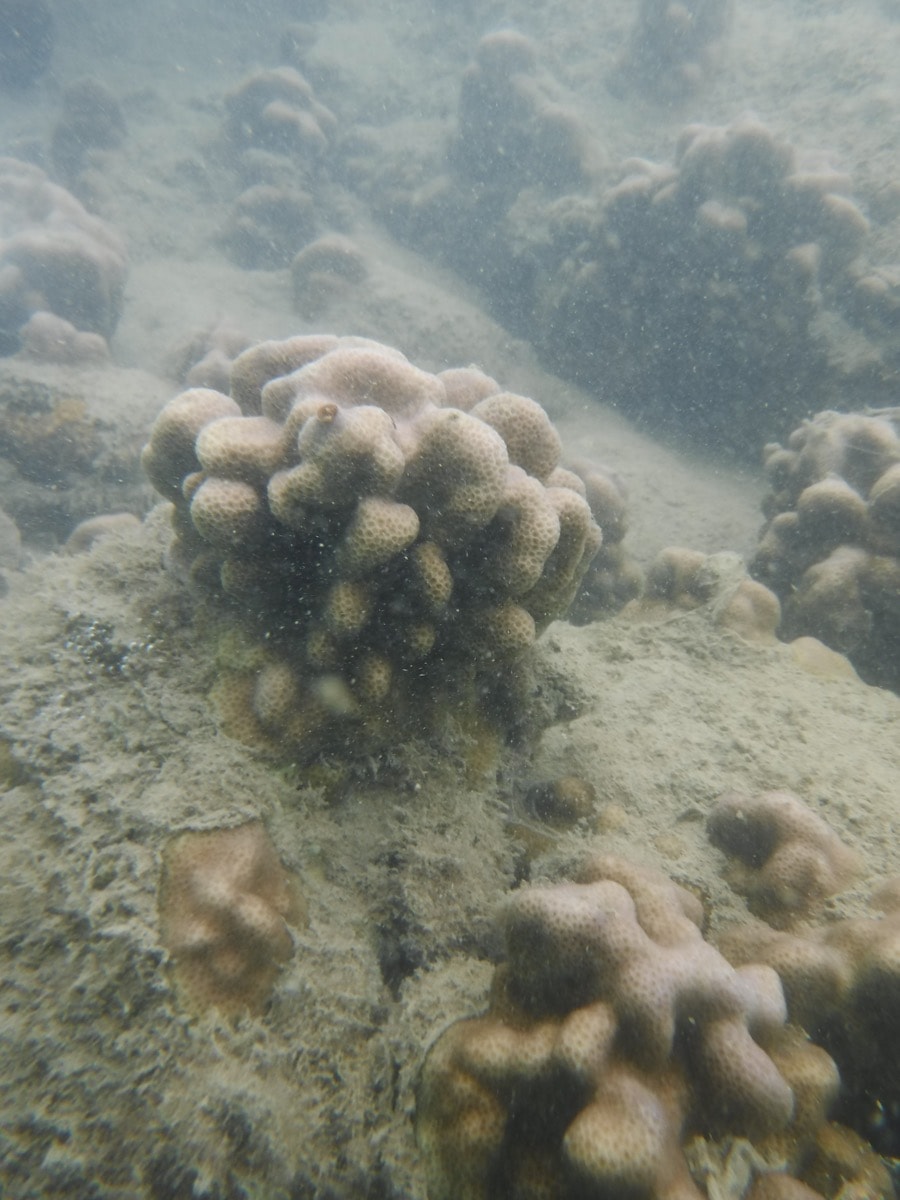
[[54, 257], [614, 1032], [326, 270], [361, 524], [715, 267], [788, 860], [842, 983], [831, 546], [277, 109], [225, 904], [679, 580]]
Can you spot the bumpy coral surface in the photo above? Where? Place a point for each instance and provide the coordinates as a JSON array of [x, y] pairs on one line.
[[50, 339], [691, 274], [326, 270], [277, 110], [613, 577], [513, 127], [831, 547], [788, 860], [615, 1032], [225, 902], [382, 548], [842, 983], [680, 579], [54, 257]]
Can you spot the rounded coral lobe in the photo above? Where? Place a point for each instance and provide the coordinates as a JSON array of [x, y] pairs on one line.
[[225, 906], [391, 555]]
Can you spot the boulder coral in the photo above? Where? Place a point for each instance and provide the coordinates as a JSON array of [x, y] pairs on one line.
[[54, 257], [514, 126], [225, 906], [714, 267], [382, 550], [788, 861], [681, 580], [276, 110], [842, 984], [831, 544], [615, 1035]]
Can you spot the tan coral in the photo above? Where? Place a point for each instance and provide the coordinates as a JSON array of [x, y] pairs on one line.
[[831, 546], [324, 271], [277, 109], [531, 529], [789, 861], [378, 531], [55, 257], [226, 512], [432, 576], [531, 440], [240, 448], [348, 607], [578, 545], [50, 339], [171, 453], [752, 611], [842, 983], [457, 474], [615, 1032], [505, 631], [680, 579], [225, 906], [371, 375], [344, 453], [205, 358], [276, 695], [358, 525], [562, 801], [466, 386], [612, 577], [258, 364], [92, 529]]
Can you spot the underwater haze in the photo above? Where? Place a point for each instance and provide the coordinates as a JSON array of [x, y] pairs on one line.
[[450, 600]]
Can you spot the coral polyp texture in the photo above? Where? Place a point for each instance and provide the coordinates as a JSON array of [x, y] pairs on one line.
[[225, 904], [831, 545], [788, 860], [842, 983], [54, 257], [615, 1034], [388, 541], [713, 268]]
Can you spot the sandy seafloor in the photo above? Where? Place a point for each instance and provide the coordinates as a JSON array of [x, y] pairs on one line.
[[108, 1088]]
